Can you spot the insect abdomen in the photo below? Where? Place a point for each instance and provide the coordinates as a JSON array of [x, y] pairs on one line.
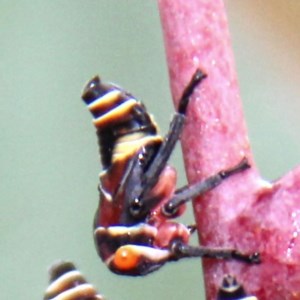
[[123, 124]]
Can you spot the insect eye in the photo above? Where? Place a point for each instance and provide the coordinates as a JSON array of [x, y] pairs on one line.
[[136, 207], [170, 210]]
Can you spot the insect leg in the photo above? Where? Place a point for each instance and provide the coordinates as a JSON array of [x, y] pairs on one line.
[[182, 250], [189, 192], [173, 134]]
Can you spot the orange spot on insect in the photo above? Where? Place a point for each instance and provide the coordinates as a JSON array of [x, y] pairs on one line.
[[126, 258]]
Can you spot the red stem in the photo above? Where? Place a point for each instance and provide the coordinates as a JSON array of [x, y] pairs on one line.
[[245, 212]]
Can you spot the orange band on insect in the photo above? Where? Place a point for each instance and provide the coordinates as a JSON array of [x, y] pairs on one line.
[[126, 258]]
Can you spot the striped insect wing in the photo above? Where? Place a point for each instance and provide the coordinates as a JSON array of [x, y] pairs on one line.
[[67, 283], [231, 290]]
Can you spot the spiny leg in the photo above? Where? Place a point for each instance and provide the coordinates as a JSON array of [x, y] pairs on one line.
[[189, 192], [181, 250], [173, 134]]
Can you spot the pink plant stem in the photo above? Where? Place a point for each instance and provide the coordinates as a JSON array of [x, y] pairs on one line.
[[245, 212]]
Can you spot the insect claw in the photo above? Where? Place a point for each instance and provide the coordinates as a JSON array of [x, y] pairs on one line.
[[241, 166], [192, 228], [253, 258]]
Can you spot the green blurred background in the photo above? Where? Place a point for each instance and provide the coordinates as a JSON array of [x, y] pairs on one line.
[[49, 154]]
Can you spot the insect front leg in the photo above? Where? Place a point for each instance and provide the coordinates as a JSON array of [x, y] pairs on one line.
[[173, 134], [139, 182]]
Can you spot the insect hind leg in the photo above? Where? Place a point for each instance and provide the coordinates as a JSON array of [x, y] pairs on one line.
[[182, 250]]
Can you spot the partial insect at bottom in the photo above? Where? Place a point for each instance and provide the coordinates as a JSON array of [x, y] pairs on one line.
[[232, 290], [67, 283]]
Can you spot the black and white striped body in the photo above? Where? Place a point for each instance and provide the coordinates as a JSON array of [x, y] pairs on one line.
[[122, 122], [67, 283], [124, 129]]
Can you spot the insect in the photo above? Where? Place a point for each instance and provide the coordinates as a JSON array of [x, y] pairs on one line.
[[67, 283], [232, 290], [133, 228]]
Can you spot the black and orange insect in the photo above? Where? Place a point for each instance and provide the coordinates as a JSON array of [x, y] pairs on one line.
[[67, 283], [133, 229], [232, 290]]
